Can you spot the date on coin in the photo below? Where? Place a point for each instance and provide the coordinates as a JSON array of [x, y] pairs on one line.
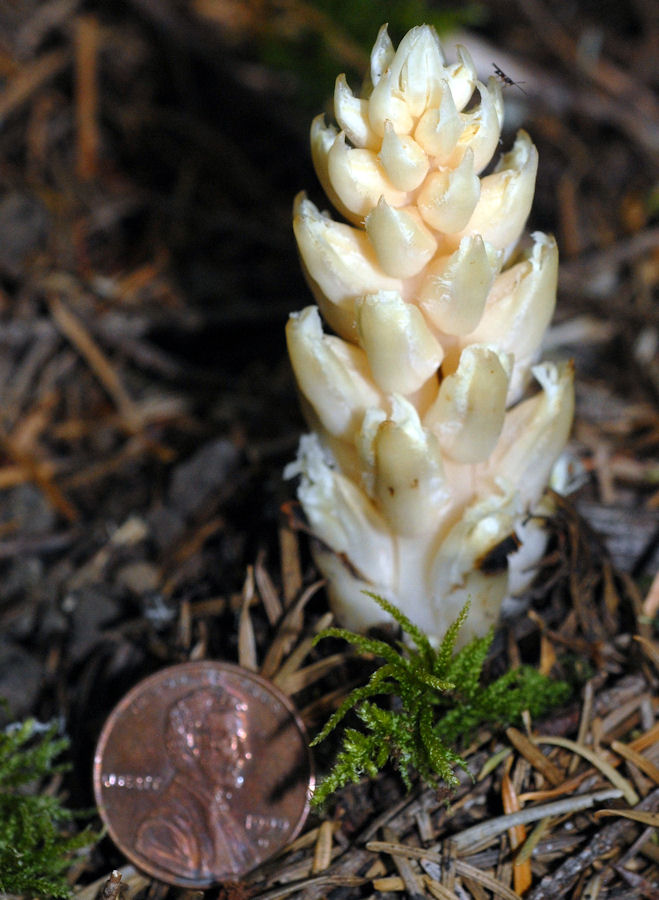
[[202, 772]]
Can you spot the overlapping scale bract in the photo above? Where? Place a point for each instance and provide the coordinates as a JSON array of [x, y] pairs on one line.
[[424, 457]]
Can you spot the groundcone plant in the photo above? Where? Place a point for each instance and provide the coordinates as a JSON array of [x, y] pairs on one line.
[[424, 475]]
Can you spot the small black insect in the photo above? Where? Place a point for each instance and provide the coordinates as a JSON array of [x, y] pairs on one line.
[[501, 75]]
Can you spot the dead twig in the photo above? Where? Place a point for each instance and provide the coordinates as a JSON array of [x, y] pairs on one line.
[[480, 835], [40, 476], [30, 79], [71, 326], [607, 840], [87, 40]]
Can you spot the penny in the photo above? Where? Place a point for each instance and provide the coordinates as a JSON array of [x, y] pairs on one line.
[[202, 772]]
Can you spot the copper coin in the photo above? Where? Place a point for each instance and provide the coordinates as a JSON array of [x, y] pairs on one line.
[[202, 772]]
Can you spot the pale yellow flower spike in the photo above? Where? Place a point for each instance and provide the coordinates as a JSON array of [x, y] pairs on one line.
[[423, 457]]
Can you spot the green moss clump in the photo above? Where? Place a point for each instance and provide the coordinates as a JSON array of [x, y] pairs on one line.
[[36, 841], [441, 703]]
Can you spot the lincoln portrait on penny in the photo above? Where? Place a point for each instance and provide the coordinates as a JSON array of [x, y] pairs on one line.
[[193, 831]]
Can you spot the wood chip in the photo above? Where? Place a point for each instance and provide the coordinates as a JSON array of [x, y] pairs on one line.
[[493, 762], [535, 757], [315, 881], [645, 818], [649, 739], [389, 883], [619, 714], [267, 592], [40, 476], [478, 836], [291, 570], [71, 326], [246, 638], [31, 78], [297, 681], [322, 854], [480, 877], [547, 655], [516, 835], [640, 761], [651, 602], [411, 879], [650, 649], [112, 886], [438, 890], [394, 848], [295, 659], [606, 841], [131, 884], [584, 722], [87, 41], [604, 767], [424, 825], [537, 834], [567, 787], [288, 632]]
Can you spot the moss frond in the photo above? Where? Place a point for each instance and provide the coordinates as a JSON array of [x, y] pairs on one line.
[[22, 762], [376, 685], [362, 754], [37, 838], [465, 667], [441, 703], [408, 627], [444, 654], [364, 644]]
